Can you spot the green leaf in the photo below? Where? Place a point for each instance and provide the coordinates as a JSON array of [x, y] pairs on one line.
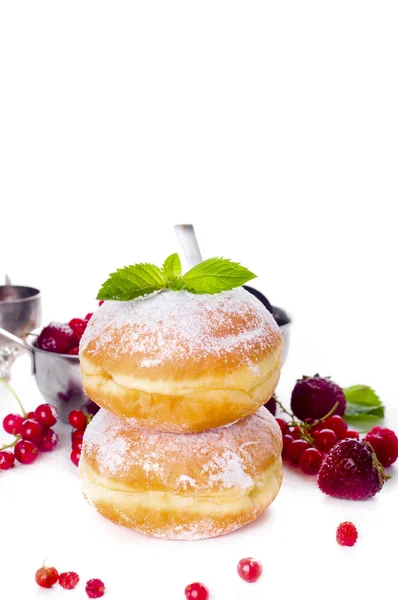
[[216, 275], [363, 404], [133, 281], [172, 267]]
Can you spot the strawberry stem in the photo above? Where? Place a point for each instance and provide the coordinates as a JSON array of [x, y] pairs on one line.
[[25, 414]]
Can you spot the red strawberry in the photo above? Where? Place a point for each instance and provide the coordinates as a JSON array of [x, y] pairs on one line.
[[314, 397], [351, 471], [57, 337], [385, 444]]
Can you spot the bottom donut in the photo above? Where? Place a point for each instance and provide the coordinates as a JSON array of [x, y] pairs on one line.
[[181, 486]]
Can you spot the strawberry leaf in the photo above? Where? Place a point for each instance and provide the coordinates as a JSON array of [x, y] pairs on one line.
[[133, 281], [216, 275]]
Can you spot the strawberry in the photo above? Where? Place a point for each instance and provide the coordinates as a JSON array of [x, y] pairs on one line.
[[314, 397], [351, 471]]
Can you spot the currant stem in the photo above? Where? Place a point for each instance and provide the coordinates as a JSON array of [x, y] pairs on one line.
[[25, 414], [329, 414], [18, 437]]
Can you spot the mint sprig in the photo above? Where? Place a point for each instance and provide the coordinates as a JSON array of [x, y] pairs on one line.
[[208, 277], [363, 404]]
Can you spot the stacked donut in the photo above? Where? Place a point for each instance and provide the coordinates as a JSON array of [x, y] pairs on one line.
[[182, 447]]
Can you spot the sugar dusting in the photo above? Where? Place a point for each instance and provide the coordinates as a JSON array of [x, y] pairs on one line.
[[180, 326]]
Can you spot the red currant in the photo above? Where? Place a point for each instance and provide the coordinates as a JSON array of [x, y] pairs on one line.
[[74, 351], [7, 460], [68, 580], [32, 430], [75, 457], [350, 433], [12, 424], [30, 415], [100, 303], [336, 423], [295, 433], [88, 317], [77, 445], [287, 440], [95, 588], [196, 591], [77, 419], [325, 440], [283, 425], [295, 450], [46, 577], [46, 414], [26, 452], [310, 461], [249, 570], [78, 434], [49, 442], [78, 326]]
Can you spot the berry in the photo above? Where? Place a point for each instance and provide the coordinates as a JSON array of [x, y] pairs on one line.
[[249, 570], [196, 591], [78, 434], [57, 337], [351, 434], [325, 440], [74, 351], [95, 588], [336, 424], [49, 442], [7, 460], [75, 457], [30, 415], [384, 443], [100, 303], [91, 408], [351, 471], [271, 405], [46, 577], [68, 580], [283, 425], [26, 452], [32, 430], [46, 415], [12, 424], [88, 317], [287, 440], [78, 326], [77, 419], [310, 461], [314, 397], [346, 534], [77, 445], [296, 433], [295, 450]]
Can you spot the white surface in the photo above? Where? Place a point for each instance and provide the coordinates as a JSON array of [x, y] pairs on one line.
[[272, 127]]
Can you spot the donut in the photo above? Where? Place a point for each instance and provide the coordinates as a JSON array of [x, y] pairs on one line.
[[181, 486], [182, 362]]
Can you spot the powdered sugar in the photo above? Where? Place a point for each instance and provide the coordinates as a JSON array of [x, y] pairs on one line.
[[228, 471]]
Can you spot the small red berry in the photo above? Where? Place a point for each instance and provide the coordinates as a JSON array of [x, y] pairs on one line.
[[283, 425], [296, 433], [26, 452], [196, 591], [68, 580], [249, 569], [95, 588], [78, 434], [100, 303], [30, 415], [78, 326], [32, 430], [295, 450], [310, 461], [77, 419], [74, 351], [46, 414], [287, 440], [346, 534], [7, 460], [75, 457], [46, 577], [384, 443], [12, 424], [325, 439], [77, 445], [351, 434], [49, 442], [57, 337], [336, 423], [88, 317]]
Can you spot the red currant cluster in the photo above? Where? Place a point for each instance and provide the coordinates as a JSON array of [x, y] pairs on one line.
[[47, 577], [33, 434], [79, 421]]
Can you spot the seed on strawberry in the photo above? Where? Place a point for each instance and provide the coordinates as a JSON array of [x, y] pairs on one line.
[[385, 444], [95, 588], [351, 471], [310, 461], [346, 534], [46, 577], [68, 580], [57, 337], [314, 397], [249, 569]]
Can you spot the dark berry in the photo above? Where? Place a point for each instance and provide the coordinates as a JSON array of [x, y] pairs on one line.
[[32, 430], [287, 440], [314, 397], [12, 424], [49, 442], [69, 580], [57, 337], [271, 405], [91, 408], [346, 534], [325, 440], [310, 461], [249, 570], [46, 415], [7, 460], [46, 577], [77, 419], [283, 425], [78, 326], [95, 588], [351, 471], [196, 591], [26, 452], [336, 424], [295, 450], [384, 443], [295, 433]]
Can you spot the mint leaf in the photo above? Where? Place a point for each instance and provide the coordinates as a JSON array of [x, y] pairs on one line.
[[216, 275], [363, 404], [172, 267], [133, 281]]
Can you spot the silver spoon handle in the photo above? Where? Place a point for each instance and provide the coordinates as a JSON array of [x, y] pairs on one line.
[[189, 244], [13, 338]]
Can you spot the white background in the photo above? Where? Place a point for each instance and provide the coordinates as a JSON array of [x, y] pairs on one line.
[[271, 126]]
